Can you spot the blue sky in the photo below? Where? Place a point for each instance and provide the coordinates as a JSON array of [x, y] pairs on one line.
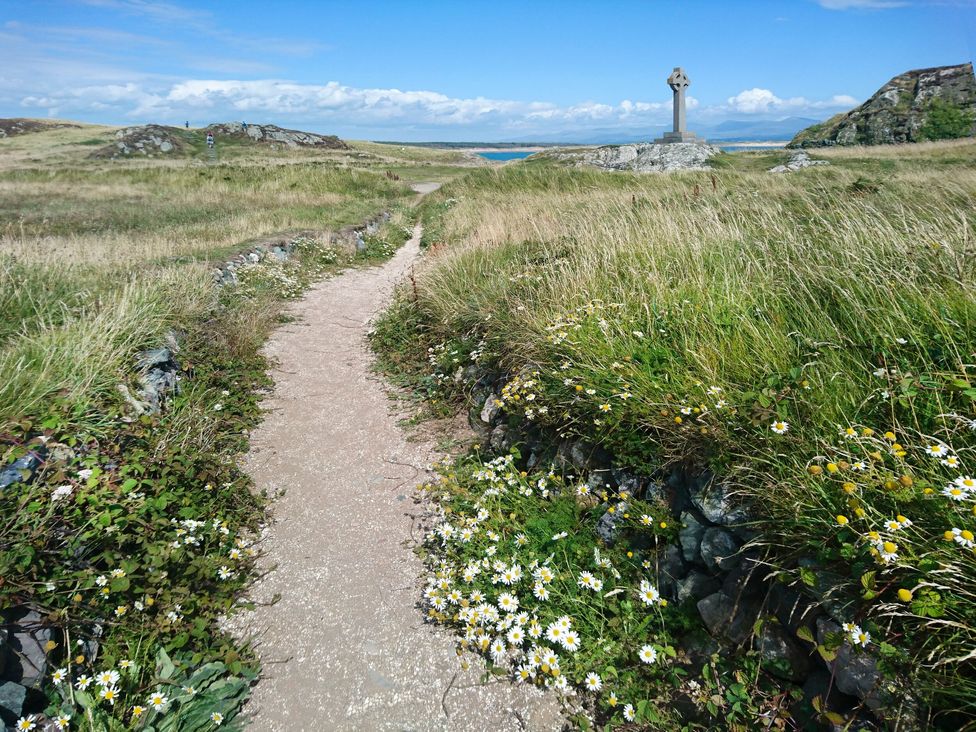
[[466, 70]]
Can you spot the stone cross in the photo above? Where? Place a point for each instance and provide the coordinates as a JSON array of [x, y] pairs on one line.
[[678, 81]]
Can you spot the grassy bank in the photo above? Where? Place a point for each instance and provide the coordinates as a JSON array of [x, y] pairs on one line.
[[139, 532], [810, 337]]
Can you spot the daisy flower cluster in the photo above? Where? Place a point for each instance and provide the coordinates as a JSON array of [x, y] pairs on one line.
[[519, 593]]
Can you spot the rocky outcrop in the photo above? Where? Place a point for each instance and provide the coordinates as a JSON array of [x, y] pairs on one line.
[[797, 161], [272, 134], [22, 126], [145, 140], [642, 157], [917, 105]]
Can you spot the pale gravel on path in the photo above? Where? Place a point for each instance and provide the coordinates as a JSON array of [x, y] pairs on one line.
[[346, 648]]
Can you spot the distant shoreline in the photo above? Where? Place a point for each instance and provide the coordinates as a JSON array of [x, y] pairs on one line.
[[474, 147]]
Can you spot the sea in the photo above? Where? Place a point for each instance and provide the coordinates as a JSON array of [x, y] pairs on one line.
[[507, 155]]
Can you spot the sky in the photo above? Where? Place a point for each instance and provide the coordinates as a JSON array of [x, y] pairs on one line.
[[463, 70]]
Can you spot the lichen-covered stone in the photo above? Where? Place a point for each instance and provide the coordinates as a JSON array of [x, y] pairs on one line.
[[642, 157]]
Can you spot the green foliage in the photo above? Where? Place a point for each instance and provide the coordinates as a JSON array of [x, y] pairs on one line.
[[946, 121], [516, 566], [673, 327]]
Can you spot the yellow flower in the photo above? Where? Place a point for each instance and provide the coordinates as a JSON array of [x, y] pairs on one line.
[[890, 436], [677, 420], [947, 535], [841, 519], [906, 480], [832, 467], [867, 432], [663, 524], [905, 595], [859, 512], [815, 470], [849, 487]]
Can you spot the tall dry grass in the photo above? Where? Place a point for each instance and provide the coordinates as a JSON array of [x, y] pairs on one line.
[[835, 297]]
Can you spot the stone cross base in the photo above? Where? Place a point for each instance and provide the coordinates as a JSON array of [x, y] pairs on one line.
[[670, 137]]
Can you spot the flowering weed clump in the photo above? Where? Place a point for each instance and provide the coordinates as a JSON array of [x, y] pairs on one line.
[[517, 567], [815, 348]]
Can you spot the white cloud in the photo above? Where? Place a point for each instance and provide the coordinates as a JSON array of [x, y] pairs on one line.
[[763, 101], [335, 105], [861, 4]]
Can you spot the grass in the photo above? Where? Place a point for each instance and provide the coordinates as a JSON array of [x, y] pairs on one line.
[[680, 318], [138, 534]]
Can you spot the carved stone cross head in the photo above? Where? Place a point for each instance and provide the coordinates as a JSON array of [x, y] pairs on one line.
[[678, 79]]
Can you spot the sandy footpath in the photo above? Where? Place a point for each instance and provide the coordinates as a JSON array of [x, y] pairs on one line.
[[345, 647]]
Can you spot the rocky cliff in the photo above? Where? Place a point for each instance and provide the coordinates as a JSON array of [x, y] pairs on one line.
[[925, 104]]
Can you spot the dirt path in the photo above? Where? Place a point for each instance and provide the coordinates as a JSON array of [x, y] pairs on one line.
[[346, 647]]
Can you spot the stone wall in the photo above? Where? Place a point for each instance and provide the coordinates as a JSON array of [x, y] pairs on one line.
[[720, 569]]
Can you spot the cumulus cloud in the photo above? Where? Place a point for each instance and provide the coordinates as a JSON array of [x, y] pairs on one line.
[[333, 105], [763, 101], [335, 102]]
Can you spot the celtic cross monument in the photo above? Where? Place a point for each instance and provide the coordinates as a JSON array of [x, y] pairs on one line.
[[678, 81]]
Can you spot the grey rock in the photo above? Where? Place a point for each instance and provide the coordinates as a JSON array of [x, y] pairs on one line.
[[20, 470], [690, 537], [718, 549], [747, 580], [713, 498], [855, 670], [153, 358], [655, 490], [27, 638], [641, 157], [12, 698], [856, 673], [278, 253], [672, 563], [792, 608], [697, 585], [798, 161], [831, 590], [729, 618], [4, 651], [499, 438], [783, 656], [607, 526], [579, 454]]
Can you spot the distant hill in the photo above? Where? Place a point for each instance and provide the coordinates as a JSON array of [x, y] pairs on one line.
[[152, 140], [14, 126], [727, 131], [924, 104]]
